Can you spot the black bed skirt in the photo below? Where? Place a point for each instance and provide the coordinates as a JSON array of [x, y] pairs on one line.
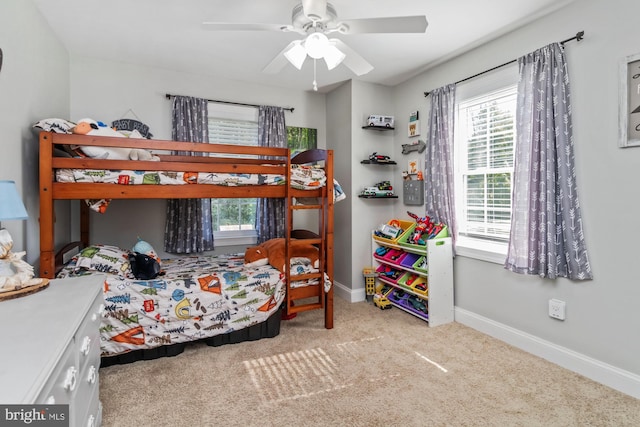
[[267, 329]]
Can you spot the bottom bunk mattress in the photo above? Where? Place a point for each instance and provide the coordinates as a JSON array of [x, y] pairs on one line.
[[213, 298]]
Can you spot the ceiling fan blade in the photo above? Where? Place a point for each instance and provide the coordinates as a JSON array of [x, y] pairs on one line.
[[229, 26], [398, 24], [278, 63], [352, 60], [315, 10]]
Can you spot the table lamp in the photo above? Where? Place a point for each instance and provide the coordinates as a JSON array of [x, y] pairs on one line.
[[11, 208]]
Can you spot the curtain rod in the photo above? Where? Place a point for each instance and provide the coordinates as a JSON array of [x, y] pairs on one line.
[[579, 36], [169, 96]]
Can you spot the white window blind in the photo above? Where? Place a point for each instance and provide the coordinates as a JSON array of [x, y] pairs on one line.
[[485, 137], [233, 219]]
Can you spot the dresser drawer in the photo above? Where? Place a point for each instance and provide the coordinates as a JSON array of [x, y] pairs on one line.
[[87, 339], [63, 382], [92, 416], [86, 396]]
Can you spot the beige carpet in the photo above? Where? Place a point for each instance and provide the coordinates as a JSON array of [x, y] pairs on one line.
[[375, 368]]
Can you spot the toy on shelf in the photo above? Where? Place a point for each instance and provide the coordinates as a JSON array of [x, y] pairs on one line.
[[425, 229], [381, 189], [388, 232], [380, 158], [377, 120], [423, 225]]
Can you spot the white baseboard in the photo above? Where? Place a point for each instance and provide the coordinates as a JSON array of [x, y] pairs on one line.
[[618, 379], [348, 294]]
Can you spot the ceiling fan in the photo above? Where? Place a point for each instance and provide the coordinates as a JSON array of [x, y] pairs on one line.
[[315, 19]]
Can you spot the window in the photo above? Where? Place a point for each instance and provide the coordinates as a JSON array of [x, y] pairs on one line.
[[484, 157], [233, 219]]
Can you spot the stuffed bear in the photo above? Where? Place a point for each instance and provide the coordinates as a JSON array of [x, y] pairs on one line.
[[273, 252], [91, 127]]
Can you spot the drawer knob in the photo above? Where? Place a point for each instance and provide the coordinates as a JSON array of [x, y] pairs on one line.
[[86, 346], [91, 378], [70, 379], [95, 316]]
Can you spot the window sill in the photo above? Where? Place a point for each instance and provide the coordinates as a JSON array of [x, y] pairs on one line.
[[481, 249], [234, 238]]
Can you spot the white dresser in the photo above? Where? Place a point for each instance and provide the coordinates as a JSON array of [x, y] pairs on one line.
[[50, 348]]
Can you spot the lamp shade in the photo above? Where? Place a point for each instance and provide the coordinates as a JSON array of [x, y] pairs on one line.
[[11, 207], [296, 54], [333, 56], [316, 45]]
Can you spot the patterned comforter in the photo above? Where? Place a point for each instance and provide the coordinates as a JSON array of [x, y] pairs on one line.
[[197, 297], [303, 177]]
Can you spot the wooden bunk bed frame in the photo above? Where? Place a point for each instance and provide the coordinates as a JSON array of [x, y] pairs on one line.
[[195, 157]]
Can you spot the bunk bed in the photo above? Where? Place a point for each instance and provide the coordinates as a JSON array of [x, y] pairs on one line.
[[297, 290]]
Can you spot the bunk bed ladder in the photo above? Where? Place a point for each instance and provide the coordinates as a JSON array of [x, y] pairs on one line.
[[312, 297]]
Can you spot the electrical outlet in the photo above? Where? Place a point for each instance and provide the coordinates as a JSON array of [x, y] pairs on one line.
[[557, 309]]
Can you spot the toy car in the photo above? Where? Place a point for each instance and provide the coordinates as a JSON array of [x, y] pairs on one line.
[[381, 302], [380, 121], [384, 185], [376, 192], [379, 158], [418, 304]]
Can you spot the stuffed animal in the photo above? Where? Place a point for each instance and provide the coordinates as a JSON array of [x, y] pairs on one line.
[[145, 263], [92, 127], [273, 252]]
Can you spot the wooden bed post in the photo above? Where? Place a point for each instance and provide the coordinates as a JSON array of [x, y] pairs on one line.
[[84, 223], [47, 256], [328, 312]]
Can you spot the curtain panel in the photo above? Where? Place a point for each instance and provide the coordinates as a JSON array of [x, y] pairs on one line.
[[547, 238], [270, 213], [439, 167], [189, 223]]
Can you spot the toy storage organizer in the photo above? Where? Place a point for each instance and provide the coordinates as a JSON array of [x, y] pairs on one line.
[[416, 278]]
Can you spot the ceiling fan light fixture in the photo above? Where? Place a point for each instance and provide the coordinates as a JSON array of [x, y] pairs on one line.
[[316, 45], [296, 55], [333, 56]]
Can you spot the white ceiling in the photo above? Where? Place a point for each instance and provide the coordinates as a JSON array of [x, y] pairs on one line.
[[168, 34]]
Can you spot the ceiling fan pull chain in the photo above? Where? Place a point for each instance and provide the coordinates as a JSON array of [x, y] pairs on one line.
[[315, 83]]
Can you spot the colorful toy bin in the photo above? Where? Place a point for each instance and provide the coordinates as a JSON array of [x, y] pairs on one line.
[[404, 225], [403, 240]]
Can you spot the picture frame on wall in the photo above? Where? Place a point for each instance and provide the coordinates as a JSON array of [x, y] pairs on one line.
[[629, 102], [413, 128]]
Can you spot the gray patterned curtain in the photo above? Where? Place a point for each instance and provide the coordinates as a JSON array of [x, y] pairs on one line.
[[270, 213], [546, 224], [188, 228], [439, 170]]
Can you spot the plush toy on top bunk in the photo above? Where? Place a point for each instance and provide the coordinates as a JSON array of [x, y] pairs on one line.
[[273, 252], [92, 127]]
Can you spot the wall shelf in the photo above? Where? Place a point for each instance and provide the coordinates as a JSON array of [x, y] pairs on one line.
[[362, 196], [377, 128], [370, 162]]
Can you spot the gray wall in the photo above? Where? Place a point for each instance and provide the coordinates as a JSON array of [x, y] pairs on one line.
[[34, 84], [603, 320]]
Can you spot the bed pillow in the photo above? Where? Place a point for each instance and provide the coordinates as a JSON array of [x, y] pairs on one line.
[[105, 259], [55, 125]]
